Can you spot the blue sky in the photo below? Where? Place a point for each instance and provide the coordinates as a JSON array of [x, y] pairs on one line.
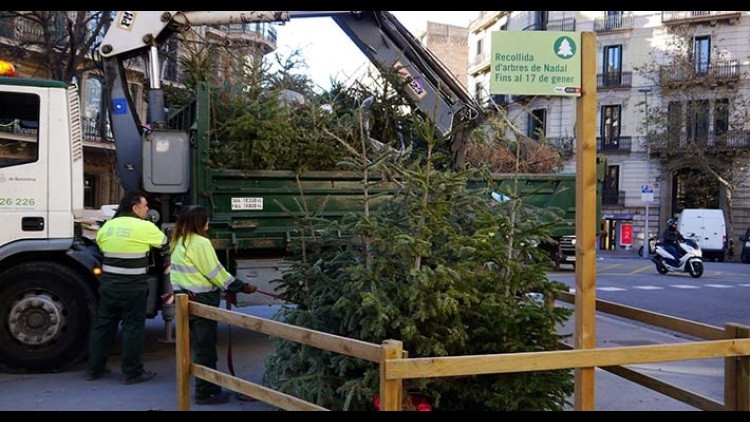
[[329, 52]]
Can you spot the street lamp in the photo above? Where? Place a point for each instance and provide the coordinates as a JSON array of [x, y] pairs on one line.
[[646, 238]]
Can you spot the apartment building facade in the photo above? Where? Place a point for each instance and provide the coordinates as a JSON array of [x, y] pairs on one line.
[[635, 52], [101, 184]]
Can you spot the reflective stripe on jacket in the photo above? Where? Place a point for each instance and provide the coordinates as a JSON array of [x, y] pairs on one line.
[[196, 268], [125, 242]]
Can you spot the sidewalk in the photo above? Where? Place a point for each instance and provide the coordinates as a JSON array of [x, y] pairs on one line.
[[613, 393]]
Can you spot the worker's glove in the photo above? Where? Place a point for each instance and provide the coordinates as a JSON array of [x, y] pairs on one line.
[[249, 288]]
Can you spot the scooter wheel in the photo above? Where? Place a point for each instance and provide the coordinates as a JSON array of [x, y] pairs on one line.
[[661, 269], [696, 269]]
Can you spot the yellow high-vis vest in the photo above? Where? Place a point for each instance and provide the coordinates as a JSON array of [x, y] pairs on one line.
[[195, 266], [125, 242]]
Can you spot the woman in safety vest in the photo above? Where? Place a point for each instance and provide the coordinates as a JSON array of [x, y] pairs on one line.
[[195, 269]]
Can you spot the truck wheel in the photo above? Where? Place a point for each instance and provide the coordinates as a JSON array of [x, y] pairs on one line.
[[46, 310]]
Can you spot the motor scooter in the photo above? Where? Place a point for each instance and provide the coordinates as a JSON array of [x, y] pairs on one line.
[[691, 260]]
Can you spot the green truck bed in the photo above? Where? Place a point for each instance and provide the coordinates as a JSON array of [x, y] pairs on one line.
[[256, 210]]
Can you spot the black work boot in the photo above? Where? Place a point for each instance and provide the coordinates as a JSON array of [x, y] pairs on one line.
[[143, 376], [220, 397]]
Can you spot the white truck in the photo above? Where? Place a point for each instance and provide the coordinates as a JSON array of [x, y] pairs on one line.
[[48, 270]]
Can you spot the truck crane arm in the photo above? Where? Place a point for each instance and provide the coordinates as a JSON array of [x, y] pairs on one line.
[[378, 34]]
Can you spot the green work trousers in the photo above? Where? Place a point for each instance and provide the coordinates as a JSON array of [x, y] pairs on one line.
[[118, 302], [203, 342]]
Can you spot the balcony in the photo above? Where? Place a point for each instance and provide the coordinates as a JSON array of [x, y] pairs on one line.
[[23, 30], [617, 144], [480, 62], [681, 18], [613, 197], [735, 140], [566, 24], [564, 144], [92, 130], [722, 73], [614, 80], [485, 20], [258, 34], [614, 23]]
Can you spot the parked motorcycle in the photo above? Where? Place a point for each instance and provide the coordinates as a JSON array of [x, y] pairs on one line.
[[651, 246], [690, 262]]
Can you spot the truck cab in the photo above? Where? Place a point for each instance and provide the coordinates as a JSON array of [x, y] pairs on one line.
[[47, 270]]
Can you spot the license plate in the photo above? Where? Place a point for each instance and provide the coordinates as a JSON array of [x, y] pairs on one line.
[[241, 204]]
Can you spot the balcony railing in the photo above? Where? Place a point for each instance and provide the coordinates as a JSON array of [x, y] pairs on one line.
[[677, 18], [614, 80], [613, 23], [261, 33], [92, 130], [480, 59], [565, 24], [617, 144], [24, 30], [722, 72], [613, 197], [565, 144], [732, 140]]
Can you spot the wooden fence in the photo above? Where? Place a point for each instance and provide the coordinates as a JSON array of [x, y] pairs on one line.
[[733, 344]]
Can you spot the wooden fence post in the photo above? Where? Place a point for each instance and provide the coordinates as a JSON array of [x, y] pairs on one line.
[[737, 373], [730, 373], [391, 391], [182, 349]]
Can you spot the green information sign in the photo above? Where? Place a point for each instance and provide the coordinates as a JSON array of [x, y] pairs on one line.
[[536, 63]]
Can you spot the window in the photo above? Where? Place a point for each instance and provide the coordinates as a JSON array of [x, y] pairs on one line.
[[611, 188], [614, 19], [697, 121], [610, 127], [19, 128], [95, 115], [479, 47], [702, 54], [536, 125], [721, 119], [674, 122], [612, 70], [89, 190], [539, 20]]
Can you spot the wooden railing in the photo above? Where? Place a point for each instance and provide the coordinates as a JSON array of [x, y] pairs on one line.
[[736, 371], [378, 353], [733, 344]]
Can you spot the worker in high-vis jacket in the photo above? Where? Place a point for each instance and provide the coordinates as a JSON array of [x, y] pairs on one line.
[[125, 242], [195, 269]]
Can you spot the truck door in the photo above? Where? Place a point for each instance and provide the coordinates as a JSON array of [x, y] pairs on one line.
[[23, 163]]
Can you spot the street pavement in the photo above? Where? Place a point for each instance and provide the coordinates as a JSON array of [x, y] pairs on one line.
[[69, 391]]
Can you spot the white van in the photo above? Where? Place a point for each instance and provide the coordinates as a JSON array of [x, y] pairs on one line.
[[709, 228]]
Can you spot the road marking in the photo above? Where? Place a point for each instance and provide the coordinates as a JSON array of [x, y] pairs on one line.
[[719, 286], [744, 285], [684, 286], [644, 268], [610, 289], [648, 287], [607, 267]]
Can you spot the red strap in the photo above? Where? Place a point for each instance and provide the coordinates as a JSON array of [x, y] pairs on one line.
[[229, 298]]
